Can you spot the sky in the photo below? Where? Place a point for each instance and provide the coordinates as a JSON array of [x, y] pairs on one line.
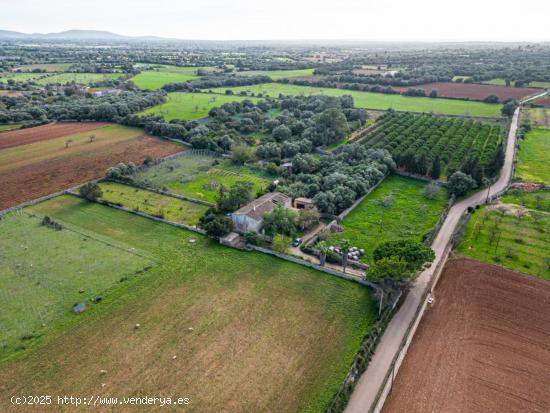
[[402, 20]]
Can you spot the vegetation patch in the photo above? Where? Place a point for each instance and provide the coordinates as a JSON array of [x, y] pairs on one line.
[[207, 315], [277, 74], [381, 101], [533, 158], [80, 78], [399, 208], [512, 235], [537, 117], [188, 106], [161, 206]]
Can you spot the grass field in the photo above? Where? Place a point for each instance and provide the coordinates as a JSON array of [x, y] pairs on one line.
[[81, 78], [539, 200], [538, 117], [533, 158], [43, 271], [155, 79], [21, 77], [409, 216], [277, 74], [455, 78], [197, 177], [48, 67], [502, 82], [229, 329], [11, 126], [172, 209], [521, 243], [188, 106], [381, 101]]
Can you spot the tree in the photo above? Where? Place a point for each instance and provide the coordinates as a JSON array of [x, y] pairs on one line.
[[390, 270], [509, 108], [491, 99], [280, 243], [307, 218], [90, 191], [431, 191], [322, 248], [281, 133], [345, 247], [216, 225], [280, 220], [415, 253], [242, 154], [91, 138], [460, 183], [435, 170], [68, 142], [239, 194], [433, 93]]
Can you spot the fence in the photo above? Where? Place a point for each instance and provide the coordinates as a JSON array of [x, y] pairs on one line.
[[442, 217], [314, 266]]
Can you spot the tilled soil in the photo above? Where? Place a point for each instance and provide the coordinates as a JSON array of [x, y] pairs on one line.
[[472, 90], [45, 177], [484, 345], [44, 132]]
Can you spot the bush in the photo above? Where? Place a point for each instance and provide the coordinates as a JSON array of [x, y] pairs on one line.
[[216, 225], [90, 191]]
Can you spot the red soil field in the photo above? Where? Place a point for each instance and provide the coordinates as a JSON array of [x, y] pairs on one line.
[[544, 102], [484, 345], [48, 176], [472, 90], [49, 131]]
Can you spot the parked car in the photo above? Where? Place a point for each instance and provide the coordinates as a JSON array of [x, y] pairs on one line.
[[296, 242]]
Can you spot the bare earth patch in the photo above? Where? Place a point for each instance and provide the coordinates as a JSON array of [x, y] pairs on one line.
[[484, 346]]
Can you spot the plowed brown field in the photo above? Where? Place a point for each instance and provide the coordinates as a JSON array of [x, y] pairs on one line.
[[45, 166], [544, 102], [49, 131], [484, 346], [473, 91]]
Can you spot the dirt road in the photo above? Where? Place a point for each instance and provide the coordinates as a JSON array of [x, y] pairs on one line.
[[371, 381]]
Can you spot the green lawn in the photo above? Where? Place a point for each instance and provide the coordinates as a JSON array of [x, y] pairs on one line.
[[539, 200], [197, 177], [81, 78], [22, 77], [380, 101], [522, 244], [188, 106], [410, 215], [455, 78], [533, 158], [11, 126], [151, 203], [502, 82], [48, 67], [43, 271], [277, 74], [221, 326]]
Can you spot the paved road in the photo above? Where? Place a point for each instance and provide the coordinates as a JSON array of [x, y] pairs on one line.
[[371, 381]]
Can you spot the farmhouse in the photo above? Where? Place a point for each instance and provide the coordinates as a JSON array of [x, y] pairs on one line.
[[250, 217]]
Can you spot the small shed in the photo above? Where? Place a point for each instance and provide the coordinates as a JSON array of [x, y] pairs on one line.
[[303, 203]]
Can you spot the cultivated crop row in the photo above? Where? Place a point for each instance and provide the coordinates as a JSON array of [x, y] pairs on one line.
[[417, 141]]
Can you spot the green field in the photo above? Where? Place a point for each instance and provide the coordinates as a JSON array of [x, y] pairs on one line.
[[521, 243], [370, 100], [539, 200], [80, 78], [48, 67], [533, 158], [455, 78], [544, 85], [22, 77], [538, 117], [277, 74], [43, 271], [11, 126], [155, 79], [197, 177], [502, 82], [188, 106], [214, 322], [410, 215], [172, 209]]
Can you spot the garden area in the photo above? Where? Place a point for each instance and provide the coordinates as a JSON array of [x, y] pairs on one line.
[[399, 208], [533, 157], [511, 233], [198, 176], [161, 206]]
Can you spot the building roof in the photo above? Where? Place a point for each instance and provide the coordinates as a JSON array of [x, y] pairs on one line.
[[266, 203], [304, 200]]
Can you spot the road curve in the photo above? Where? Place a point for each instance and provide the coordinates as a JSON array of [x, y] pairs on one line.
[[372, 379]]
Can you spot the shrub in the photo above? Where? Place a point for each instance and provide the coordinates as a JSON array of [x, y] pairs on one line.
[[90, 191]]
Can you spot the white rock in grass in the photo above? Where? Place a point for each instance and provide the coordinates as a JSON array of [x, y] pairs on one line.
[[192, 241], [137, 326]]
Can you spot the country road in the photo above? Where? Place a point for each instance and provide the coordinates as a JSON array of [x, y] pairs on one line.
[[372, 379]]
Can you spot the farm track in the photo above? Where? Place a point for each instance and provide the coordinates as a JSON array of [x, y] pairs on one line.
[[479, 349], [47, 176], [40, 133]]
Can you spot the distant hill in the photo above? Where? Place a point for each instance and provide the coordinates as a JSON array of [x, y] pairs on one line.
[[73, 35]]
